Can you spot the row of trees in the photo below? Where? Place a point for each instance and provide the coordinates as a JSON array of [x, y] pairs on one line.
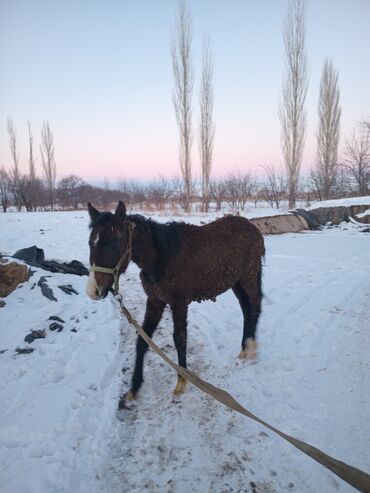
[[182, 100], [28, 190], [329, 172], [234, 189], [333, 177]]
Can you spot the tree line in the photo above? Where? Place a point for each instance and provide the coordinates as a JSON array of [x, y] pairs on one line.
[[349, 177], [236, 190], [28, 190]]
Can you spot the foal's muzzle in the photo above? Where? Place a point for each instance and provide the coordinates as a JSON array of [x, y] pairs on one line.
[[95, 290], [102, 293]]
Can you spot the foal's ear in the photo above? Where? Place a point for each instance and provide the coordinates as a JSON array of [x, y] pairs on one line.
[[121, 210], [93, 213]]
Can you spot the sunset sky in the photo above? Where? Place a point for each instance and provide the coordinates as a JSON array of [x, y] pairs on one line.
[[101, 73]]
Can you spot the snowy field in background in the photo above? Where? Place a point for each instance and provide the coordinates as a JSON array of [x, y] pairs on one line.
[[341, 202], [59, 426], [64, 235]]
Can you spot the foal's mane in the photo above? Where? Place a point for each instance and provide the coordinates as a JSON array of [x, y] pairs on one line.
[[167, 237]]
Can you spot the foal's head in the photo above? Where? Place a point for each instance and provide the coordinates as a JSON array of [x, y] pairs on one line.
[[109, 240]]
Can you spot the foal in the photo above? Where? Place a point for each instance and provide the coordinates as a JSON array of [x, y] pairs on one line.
[[179, 263]]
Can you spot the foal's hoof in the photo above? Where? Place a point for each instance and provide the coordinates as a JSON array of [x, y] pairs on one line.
[[122, 403], [128, 397], [250, 351], [180, 386]]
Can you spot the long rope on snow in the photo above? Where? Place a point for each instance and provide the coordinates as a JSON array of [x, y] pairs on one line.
[[351, 475]]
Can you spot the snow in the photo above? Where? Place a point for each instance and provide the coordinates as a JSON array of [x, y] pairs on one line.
[[341, 202], [60, 430], [364, 214], [62, 235], [200, 217]]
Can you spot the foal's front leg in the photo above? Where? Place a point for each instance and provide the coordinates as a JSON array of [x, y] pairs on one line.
[[179, 315], [153, 314]]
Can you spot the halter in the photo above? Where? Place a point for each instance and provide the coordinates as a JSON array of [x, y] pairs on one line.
[[126, 254]]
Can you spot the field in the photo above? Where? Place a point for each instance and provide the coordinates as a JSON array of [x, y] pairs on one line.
[[60, 430]]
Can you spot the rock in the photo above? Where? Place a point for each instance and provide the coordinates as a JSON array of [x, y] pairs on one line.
[[357, 212], [31, 255], [2, 303], [310, 219], [68, 289], [282, 223], [26, 350], [11, 275], [335, 215], [58, 319], [76, 267], [35, 334], [35, 256], [46, 291], [56, 326]]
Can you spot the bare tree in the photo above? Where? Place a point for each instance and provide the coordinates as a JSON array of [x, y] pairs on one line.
[[325, 173], [206, 127], [217, 189], [32, 170], [25, 191], [239, 188], [275, 186], [124, 188], [247, 184], [257, 192], [69, 191], [137, 193], [159, 192], [178, 191], [106, 196], [31, 159], [13, 144], [182, 94], [291, 111], [47, 151], [357, 160], [39, 194], [4, 189]]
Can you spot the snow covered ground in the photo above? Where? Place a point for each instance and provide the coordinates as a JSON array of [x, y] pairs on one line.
[[60, 430], [341, 202]]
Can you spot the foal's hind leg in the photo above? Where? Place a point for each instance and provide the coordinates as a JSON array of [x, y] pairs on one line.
[[249, 297], [153, 314], [179, 315]]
